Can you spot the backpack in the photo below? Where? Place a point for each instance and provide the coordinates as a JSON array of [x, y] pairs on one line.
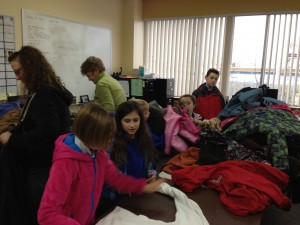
[[213, 146]]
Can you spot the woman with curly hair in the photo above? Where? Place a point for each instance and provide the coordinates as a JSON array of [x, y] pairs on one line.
[[30, 144]]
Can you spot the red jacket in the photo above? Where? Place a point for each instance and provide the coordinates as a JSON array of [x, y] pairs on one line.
[[245, 187], [209, 103]]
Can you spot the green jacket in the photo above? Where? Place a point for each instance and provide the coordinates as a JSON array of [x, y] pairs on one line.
[[108, 93]]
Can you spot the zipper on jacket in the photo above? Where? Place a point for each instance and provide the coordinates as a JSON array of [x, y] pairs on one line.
[[93, 157]]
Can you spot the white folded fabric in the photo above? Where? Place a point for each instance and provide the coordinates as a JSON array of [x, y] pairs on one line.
[[188, 212]]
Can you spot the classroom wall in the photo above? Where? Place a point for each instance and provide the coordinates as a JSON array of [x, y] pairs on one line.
[[132, 35], [102, 13], [185, 8], [125, 17]]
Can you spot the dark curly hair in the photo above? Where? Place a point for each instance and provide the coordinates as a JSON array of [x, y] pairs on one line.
[[37, 70]]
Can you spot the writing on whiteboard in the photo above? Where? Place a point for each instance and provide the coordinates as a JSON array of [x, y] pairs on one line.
[[66, 44]]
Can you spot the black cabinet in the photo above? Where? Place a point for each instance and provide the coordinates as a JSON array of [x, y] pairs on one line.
[[161, 90]]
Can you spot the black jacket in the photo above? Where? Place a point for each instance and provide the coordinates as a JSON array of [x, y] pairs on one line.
[[45, 116]]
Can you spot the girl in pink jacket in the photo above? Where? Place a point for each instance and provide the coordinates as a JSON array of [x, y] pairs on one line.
[[80, 168]]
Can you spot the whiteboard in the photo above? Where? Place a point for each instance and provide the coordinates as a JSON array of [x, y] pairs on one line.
[[66, 45]]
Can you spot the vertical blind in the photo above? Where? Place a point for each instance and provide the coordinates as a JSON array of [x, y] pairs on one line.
[[184, 49], [280, 67]]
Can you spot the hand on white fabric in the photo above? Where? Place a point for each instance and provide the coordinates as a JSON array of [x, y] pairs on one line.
[[153, 186], [152, 175], [151, 178], [4, 137]]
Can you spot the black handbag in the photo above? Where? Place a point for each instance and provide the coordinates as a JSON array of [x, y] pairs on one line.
[[213, 147]]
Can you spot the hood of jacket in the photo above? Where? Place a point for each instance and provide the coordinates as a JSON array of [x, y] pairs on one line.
[[63, 151], [203, 90], [64, 94]]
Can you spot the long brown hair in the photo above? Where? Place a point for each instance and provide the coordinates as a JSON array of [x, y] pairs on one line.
[[119, 148], [37, 70]]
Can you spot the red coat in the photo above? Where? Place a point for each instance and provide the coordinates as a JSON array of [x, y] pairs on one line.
[[209, 103], [245, 187]]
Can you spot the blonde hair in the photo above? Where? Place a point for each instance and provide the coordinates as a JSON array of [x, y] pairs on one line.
[[143, 105], [94, 126]]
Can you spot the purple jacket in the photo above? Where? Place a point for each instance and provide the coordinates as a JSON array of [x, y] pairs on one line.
[[75, 184]]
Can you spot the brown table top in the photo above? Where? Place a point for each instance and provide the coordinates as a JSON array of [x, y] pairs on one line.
[[161, 207]]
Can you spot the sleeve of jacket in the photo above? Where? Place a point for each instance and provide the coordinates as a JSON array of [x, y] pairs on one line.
[[222, 101], [121, 182], [43, 111], [171, 129], [55, 195], [194, 93]]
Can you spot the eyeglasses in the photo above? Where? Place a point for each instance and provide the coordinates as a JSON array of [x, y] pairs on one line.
[[18, 71]]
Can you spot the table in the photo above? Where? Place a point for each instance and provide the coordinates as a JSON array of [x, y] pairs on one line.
[[161, 207]]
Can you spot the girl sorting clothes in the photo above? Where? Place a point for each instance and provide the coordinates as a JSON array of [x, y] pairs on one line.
[[81, 167]]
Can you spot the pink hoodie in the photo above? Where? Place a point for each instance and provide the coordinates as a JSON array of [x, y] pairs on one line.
[[75, 184], [177, 128]]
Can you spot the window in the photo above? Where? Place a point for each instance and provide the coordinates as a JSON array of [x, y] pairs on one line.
[[184, 49], [255, 50], [280, 67], [247, 51]]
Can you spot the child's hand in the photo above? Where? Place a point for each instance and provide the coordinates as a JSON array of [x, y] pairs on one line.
[[4, 137], [151, 178], [152, 174], [152, 187]]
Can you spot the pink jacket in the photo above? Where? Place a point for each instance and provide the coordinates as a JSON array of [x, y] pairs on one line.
[[177, 128], [75, 184]]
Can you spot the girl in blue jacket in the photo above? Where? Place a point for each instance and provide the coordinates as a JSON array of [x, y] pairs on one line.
[[132, 149]]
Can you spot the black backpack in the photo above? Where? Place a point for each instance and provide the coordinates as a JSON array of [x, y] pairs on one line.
[[213, 146]]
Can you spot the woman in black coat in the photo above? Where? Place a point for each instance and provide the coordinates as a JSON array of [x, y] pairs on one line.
[[30, 145]]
